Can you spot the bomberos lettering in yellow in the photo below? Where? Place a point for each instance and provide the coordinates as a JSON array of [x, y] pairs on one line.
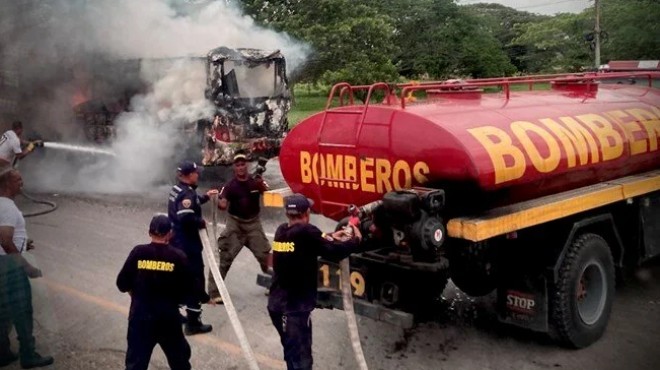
[[572, 141], [368, 174], [155, 265]]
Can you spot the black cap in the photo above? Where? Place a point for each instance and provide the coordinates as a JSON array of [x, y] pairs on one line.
[[187, 167], [297, 204], [160, 225]]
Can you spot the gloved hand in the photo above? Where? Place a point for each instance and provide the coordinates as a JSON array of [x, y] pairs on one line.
[[263, 184], [30, 147]]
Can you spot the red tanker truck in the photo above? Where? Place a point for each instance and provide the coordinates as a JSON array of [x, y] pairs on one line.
[[542, 195]]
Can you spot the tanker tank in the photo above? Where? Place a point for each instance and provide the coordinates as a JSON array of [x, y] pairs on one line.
[[483, 150]]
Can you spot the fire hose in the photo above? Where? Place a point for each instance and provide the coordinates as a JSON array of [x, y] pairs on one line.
[[52, 205], [224, 293], [351, 320], [347, 295]]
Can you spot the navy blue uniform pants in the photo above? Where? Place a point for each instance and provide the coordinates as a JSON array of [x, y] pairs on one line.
[[196, 262], [295, 331], [143, 335]]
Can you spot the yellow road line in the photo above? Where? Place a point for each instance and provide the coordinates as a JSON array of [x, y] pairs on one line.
[[203, 339]]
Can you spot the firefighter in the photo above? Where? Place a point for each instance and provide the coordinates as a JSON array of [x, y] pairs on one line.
[[158, 278], [10, 145], [185, 213], [296, 246], [241, 197]]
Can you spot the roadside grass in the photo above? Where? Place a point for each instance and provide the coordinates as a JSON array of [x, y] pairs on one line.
[[305, 106]]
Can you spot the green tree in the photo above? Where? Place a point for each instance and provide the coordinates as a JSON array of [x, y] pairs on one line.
[[632, 28], [351, 40], [557, 44], [504, 23]]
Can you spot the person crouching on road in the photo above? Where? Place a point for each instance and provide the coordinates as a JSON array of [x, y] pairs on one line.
[[296, 246], [241, 198], [185, 212], [158, 278]]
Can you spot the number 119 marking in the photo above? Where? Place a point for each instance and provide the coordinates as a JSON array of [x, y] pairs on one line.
[[357, 280]]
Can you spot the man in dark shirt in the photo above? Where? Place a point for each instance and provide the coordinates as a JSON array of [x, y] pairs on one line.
[[185, 212], [158, 278], [241, 198], [292, 298]]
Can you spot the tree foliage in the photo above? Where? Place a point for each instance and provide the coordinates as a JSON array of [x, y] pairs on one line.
[[632, 28], [361, 41], [556, 44]]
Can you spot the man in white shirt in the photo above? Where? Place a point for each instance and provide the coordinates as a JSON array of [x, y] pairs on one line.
[[15, 290], [10, 145]]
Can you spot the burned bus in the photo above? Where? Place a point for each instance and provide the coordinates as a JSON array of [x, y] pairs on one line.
[[247, 88]]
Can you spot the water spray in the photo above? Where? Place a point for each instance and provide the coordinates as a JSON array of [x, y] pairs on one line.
[[78, 148]]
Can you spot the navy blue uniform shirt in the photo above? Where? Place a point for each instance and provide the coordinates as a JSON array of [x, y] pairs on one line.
[[295, 265], [158, 278], [184, 208]]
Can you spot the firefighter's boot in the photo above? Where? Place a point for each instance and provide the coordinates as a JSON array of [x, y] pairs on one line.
[[34, 359], [195, 325]]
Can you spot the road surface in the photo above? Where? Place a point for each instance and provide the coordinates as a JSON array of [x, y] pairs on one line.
[[81, 316]]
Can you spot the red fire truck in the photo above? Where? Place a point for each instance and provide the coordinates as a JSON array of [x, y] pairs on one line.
[[543, 194]]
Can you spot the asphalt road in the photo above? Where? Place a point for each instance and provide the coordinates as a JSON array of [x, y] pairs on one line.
[[81, 316]]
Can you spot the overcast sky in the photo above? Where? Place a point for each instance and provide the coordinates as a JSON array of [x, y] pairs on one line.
[[539, 6]]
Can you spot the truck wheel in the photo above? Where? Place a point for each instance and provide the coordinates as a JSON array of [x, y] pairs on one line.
[[473, 268], [581, 299]]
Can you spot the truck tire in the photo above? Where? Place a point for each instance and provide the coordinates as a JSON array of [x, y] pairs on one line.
[[581, 298], [473, 268]]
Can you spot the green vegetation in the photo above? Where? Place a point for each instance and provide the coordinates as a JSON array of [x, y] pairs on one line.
[[362, 41], [304, 106]]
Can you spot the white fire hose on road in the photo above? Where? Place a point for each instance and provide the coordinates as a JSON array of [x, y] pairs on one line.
[[351, 320], [224, 293]]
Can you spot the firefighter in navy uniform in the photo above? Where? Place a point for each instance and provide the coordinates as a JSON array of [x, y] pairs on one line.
[[185, 213], [158, 278], [296, 246]]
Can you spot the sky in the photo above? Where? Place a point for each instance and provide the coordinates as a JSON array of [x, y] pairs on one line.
[[539, 6]]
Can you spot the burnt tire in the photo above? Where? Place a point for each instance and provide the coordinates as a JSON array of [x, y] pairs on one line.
[[581, 299]]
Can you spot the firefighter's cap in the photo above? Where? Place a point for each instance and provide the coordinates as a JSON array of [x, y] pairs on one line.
[[297, 204], [160, 225], [240, 157], [187, 167]]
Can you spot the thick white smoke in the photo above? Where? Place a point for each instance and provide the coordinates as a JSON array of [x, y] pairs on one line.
[[148, 137]]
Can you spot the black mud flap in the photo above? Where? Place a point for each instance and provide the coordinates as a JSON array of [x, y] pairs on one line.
[[331, 299], [650, 211], [524, 302]]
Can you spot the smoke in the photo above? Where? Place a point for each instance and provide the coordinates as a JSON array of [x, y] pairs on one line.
[[52, 45]]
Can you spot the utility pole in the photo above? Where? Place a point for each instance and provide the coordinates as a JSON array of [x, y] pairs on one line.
[[597, 34]]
